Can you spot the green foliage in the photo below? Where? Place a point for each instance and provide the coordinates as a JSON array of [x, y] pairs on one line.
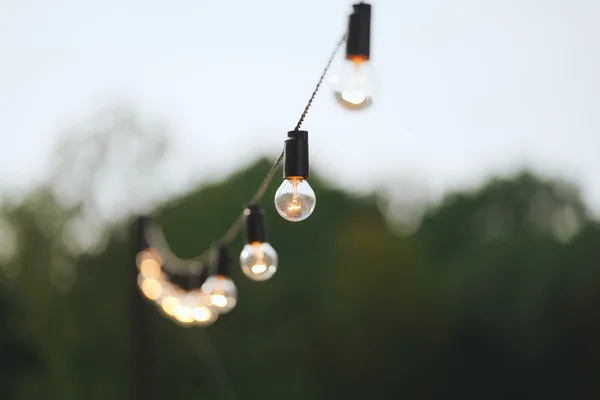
[[494, 296]]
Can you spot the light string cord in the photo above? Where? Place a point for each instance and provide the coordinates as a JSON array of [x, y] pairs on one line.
[[156, 237]]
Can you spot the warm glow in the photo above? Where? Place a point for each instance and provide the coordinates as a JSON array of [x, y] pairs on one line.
[[354, 97], [151, 288], [294, 206], [183, 314], [218, 300], [148, 254], [357, 59], [169, 304], [150, 268], [258, 268], [202, 314], [295, 200]]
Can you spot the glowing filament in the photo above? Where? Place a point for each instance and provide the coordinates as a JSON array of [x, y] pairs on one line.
[[295, 205], [259, 268], [354, 97], [218, 300]]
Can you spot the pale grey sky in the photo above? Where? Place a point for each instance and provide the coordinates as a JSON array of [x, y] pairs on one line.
[[469, 87]]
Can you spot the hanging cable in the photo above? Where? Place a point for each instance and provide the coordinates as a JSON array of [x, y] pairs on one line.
[[156, 237]]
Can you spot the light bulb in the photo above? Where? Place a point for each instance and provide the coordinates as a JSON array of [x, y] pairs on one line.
[[148, 255], [185, 311], [183, 314], [203, 313], [169, 304], [151, 288], [150, 268], [259, 261], [295, 200], [355, 86], [221, 293]]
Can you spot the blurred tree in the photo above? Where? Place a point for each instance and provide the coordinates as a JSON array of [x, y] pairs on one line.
[[19, 363], [495, 295]]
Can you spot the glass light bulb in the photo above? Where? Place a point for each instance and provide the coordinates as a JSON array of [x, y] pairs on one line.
[[204, 314], [169, 304], [184, 312], [151, 288], [150, 254], [150, 268], [355, 86], [221, 293], [295, 200], [259, 261]]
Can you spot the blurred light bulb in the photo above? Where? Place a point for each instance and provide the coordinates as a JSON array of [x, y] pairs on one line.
[[221, 293], [183, 314], [148, 254], [218, 300], [295, 200], [151, 288], [202, 313], [169, 304], [259, 261], [355, 86], [150, 268]]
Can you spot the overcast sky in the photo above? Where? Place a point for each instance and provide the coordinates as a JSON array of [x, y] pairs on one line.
[[469, 87]]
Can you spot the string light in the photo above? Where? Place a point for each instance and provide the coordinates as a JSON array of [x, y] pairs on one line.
[[204, 314], [258, 258], [150, 287], [295, 200], [169, 304], [197, 299], [356, 85], [220, 289]]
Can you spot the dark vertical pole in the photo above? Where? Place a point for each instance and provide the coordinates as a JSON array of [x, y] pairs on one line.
[[140, 340]]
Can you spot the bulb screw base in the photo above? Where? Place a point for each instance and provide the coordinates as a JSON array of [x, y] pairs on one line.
[[255, 224], [358, 43], [296, 155]]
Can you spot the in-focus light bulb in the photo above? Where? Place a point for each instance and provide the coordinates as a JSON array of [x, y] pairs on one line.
[[259, 261], [295, 200], [355, 85], [221, 293]]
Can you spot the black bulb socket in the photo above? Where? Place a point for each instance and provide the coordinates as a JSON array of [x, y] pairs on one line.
[[358, 42], [140, 225], [223, 260], [296, 155], [255, 224]]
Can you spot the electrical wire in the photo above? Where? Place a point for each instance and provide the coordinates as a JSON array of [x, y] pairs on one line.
[[156, 237]]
